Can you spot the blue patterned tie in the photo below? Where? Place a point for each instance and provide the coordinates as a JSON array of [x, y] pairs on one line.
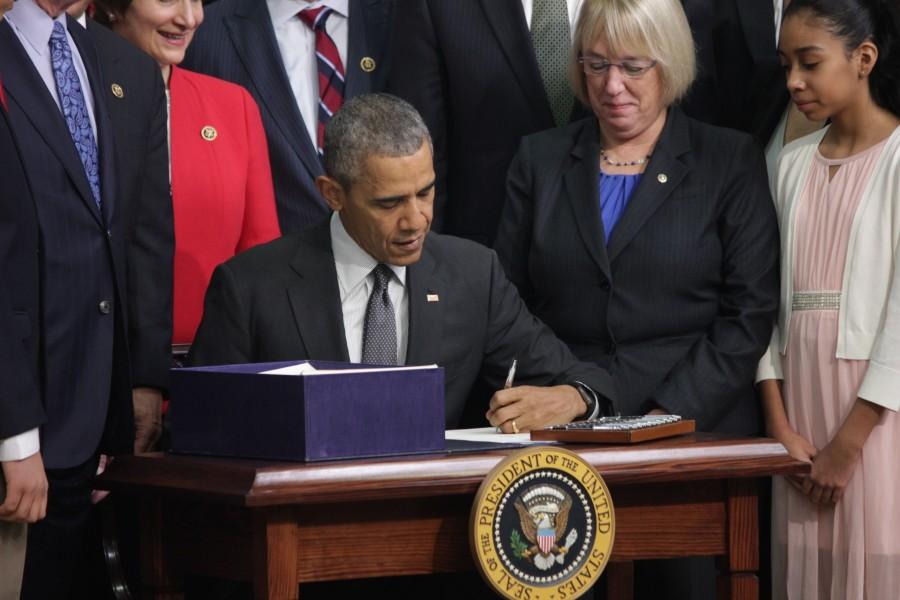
[[74, 107]]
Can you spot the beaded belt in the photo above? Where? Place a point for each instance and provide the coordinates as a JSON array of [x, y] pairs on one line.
[[816, 301]]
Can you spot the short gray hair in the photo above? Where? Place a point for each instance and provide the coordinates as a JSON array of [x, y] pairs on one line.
[[658, 29], [371, 125]]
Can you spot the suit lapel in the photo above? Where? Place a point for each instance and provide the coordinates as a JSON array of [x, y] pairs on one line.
[[662, 175], [509, 25], [254, 39], [425, 316], [23, 84], [365, 23], [580, 184], [105, 143], [315, 298]]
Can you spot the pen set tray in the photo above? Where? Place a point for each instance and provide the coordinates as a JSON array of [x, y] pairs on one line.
[[616, 430]]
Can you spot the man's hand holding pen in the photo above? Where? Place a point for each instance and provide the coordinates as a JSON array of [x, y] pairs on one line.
[[523, 408]]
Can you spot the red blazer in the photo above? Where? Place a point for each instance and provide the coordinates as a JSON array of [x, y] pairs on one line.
[[221, 185]]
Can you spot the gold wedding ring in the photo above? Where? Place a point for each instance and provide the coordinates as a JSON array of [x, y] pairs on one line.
[[515, 428]]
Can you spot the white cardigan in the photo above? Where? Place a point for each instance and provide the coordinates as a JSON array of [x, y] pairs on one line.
[[869, 315]]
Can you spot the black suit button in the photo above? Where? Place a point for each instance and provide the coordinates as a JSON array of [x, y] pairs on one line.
[[105, 307], [108, 233], [611, 348], [604, 285]]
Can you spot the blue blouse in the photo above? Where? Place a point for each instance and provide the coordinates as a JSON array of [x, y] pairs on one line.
[[615, 192]]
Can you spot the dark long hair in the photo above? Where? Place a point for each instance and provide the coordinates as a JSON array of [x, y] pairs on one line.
[[107, 10], [855, 21]]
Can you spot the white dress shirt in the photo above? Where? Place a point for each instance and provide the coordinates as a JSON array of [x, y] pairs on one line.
[[33, 28], [574, 9], [297, 43], [355, 282]]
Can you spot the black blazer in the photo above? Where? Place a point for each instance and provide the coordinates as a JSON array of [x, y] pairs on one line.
[[740, 83], [468, 66], [679, 304], [79, 317], [138, 120], [20, 403], [280, 301], [237, 43]]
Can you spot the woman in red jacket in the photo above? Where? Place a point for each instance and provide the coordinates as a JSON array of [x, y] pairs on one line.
[[219, 162]]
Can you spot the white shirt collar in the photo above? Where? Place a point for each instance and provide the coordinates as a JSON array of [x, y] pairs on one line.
[[352, 263], [33, 24], [282, 11]]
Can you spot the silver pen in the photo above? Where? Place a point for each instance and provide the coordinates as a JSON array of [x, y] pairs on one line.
[[511, 375]]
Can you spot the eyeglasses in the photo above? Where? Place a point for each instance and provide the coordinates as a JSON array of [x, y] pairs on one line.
[[632, 68]]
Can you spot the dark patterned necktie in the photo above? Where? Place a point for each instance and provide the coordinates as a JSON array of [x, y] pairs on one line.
[[331, 70], [552, 41], [380, 329], [74, 108]]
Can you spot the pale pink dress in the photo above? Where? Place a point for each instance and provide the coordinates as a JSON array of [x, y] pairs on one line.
[[848, 551]]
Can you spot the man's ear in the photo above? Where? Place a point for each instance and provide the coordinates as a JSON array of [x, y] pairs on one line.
[[331, 191]]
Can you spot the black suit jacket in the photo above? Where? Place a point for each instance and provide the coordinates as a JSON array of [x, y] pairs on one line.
[[468, 66], [82, 372], [740, 83], [679, 304], [138, 120], [237, 42], [280, 301], [20, 406]]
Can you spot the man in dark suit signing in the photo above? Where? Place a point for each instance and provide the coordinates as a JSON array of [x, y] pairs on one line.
[[373, 285], [300, 59]]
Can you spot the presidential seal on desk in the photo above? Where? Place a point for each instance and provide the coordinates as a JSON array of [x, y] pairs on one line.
[[542, 525]]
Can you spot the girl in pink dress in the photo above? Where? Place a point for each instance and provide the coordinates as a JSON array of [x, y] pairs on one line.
[[830, 382]]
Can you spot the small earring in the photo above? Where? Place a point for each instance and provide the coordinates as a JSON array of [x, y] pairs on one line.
[[111, 17]]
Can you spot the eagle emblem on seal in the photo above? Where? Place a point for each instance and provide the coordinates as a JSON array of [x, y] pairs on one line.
[[543, 516]]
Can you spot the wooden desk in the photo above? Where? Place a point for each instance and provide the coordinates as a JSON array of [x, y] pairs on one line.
[[283, 524]]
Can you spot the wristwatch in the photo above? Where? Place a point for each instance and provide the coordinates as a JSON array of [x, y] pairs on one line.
[[590, 399]]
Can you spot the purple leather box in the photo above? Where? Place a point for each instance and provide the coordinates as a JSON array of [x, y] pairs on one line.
[[235, 410]]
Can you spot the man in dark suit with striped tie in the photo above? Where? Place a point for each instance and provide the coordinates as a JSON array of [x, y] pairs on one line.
[[300, 60]]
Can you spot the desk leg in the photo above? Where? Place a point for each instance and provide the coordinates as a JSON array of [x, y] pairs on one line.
[[275, 554], [737, 579], [158, 574], [620, 580]]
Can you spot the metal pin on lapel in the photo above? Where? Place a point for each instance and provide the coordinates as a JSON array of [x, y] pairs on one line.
[[209, 133], [367, 64], [432, 298], [117, 90], [662, 178]]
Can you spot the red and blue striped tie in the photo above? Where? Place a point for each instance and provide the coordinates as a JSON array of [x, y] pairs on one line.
[[331, 70]]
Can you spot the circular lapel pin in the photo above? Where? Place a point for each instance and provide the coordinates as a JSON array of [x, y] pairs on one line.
[[209, 133], [117, 90], [367, 63], [662, 178]]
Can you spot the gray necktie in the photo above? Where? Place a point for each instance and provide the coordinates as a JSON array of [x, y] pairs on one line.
[[380, 329], [552, 42]]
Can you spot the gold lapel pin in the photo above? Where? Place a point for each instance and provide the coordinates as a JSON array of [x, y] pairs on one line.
[[662, 178], [209, 133], [432, 298], [117, 90], [367, 63]]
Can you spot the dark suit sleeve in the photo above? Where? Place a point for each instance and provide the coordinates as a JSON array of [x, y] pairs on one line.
[[513, 332], [418, 76], [20, 399], [513, 241], [223, 337], [706, 381], [150, 252]]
